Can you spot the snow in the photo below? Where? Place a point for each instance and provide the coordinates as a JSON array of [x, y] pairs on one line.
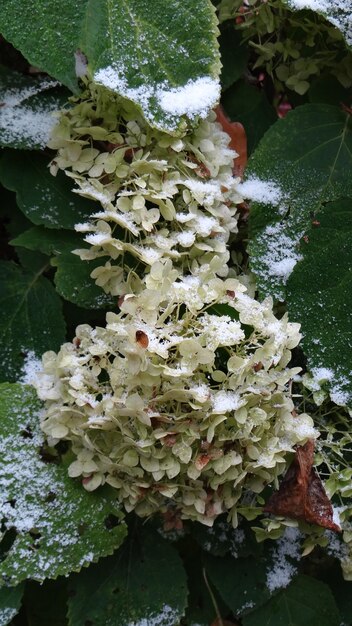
[[225, 401], [266, 191], [165, 617], [6, 614], [282, 569], [281, 255], [32, 365], [193, 99], [338, 384], [20, 123]]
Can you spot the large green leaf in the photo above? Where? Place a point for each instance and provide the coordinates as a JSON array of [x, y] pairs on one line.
[[162, 55], [301, 163], [319, 296], [52, 526], [143, 583], [305, 602], [50, 242], [338, 12], [74, 283], [43, 198], [241, 585], [46, 603], [26, 109], [72, 278], [10, 602], [31, 319]]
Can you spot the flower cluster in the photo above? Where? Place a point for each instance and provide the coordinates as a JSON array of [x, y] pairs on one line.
[[163, 198], [177, 409]]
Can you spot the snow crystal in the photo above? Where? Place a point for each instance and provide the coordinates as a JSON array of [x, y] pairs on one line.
[[339, 392], [32, 365], [258, 190], [281, 253], [167, 616], [321, 374], [282, 569], [225, 401]]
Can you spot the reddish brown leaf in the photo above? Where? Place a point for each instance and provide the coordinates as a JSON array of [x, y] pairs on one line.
[[301, 494], [238, 140]]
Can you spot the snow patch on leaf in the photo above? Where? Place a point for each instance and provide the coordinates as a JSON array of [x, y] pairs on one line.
[[265, 191], [281, 254], [193, 99], [283, 567]]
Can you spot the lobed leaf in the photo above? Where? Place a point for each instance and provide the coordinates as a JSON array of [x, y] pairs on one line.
[[302, 162], [52, 526], [72, 278], [74, 283], [240, 585], [31, 319], [305, 602], [325, 308], [143, 583], [44, 199]]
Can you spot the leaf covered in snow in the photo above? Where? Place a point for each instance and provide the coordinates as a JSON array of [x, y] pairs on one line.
[[27, 108], [53, 525], [302, 162]]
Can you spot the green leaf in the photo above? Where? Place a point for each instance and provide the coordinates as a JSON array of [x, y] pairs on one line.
[[74, 283], [222, 539], [50, 242], [141, 49], [328, 89], [10, 603], [234, 56], [240, 584], [31, 319], [248, 105], [46, 603], [305, 602], [72, 278], [43, 198], [335, 11], [52, 526], [302, 162], [26, 109], [144, 583], [319, 296]]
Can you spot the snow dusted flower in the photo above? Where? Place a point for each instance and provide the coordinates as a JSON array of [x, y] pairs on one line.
[[177, 409], [162, 197]]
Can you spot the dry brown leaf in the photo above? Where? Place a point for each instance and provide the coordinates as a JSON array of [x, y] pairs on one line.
[[301, 494], [238, 140]]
